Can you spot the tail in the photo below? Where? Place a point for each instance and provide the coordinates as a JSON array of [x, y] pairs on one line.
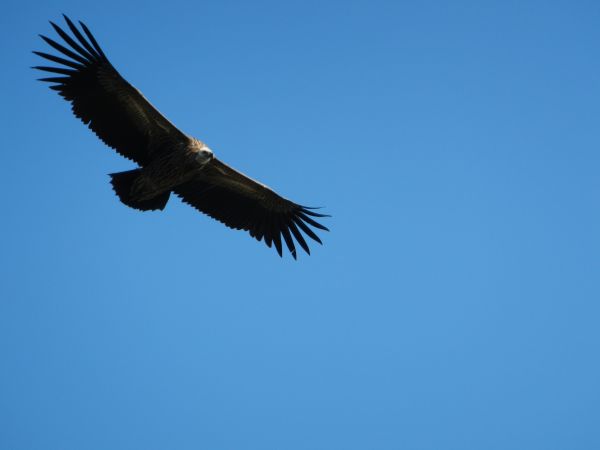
[[122, 183]]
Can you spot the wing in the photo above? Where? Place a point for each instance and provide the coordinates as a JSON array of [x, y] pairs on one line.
[[112, 108], [244, 204]]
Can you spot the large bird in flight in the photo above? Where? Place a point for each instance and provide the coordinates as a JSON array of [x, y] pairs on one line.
[[169, 160]]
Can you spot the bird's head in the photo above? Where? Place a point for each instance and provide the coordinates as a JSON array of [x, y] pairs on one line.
[[204, 154]]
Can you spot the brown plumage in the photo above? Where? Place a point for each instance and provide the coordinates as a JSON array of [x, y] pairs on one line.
[[168, 159]]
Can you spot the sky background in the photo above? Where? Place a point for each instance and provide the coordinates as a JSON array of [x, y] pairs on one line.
[[453, 305]]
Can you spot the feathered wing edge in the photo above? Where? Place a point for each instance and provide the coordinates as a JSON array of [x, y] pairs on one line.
[[83, 53], [111, 107], [244, 204], [289, 226]]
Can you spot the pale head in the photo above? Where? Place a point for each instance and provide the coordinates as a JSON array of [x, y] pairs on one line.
[[203, 154]]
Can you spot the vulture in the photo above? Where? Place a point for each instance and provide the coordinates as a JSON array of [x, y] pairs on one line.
[[168, 160]]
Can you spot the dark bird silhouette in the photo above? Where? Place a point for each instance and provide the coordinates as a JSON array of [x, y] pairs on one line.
[[168, 159]]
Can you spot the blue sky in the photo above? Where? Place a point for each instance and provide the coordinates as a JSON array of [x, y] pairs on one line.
[[454, 304]]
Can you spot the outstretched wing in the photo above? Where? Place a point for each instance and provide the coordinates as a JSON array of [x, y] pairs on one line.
[[244, 204], [112, 108]]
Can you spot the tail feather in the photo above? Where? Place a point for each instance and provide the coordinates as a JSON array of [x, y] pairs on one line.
[[122, 183]]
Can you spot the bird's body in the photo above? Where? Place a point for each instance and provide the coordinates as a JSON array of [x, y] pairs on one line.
[[168, 159], [183, 161]]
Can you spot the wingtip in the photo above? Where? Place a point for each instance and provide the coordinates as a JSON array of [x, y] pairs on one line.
[[310, 211], [314, 214], [55, 27], [68, 20]]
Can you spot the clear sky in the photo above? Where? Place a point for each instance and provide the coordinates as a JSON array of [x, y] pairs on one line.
[[453, 305]]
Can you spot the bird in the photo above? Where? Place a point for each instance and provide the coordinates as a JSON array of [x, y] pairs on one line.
[[168, 160]]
